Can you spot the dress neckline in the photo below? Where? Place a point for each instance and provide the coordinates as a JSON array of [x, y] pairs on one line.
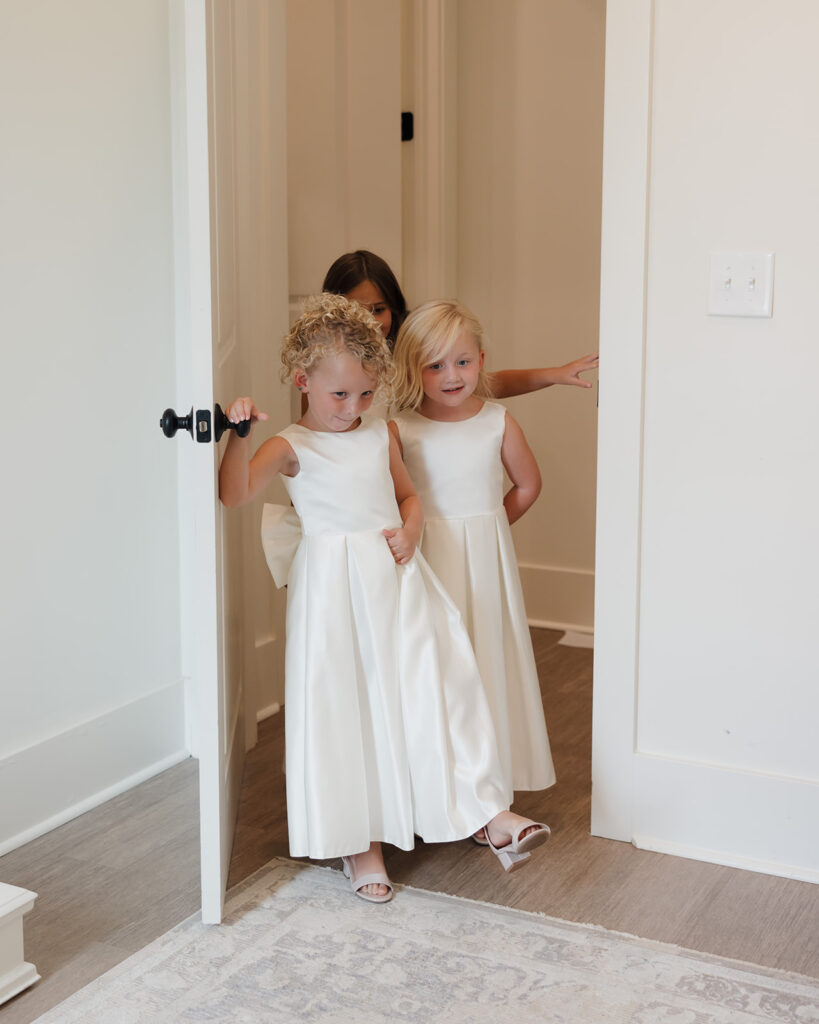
[[362, 422], [429, 419]]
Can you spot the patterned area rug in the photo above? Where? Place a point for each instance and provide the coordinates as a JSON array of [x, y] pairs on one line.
[[297, 946]]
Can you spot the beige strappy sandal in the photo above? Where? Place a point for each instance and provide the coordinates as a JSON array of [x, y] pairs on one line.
[[376, 878], [480, 840]]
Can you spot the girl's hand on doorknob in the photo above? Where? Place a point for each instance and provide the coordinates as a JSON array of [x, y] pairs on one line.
[[244, 409]]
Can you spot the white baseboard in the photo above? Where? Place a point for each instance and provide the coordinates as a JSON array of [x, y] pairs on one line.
[[564, 627], [558, 598], [268, 712], [269, 668], [800, 873], [722, 815], [51, 782]]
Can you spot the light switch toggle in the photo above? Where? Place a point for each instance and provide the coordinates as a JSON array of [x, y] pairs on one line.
[[741, 284]]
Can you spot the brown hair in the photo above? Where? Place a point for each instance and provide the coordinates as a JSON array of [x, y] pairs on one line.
[[351, 269]]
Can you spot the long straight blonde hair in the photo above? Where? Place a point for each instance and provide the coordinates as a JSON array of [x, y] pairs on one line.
[[427, 335]]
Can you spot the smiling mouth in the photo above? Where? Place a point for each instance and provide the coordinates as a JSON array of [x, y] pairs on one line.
[[453, 391]]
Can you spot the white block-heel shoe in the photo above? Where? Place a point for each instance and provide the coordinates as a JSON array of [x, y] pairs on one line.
[[516, 852]]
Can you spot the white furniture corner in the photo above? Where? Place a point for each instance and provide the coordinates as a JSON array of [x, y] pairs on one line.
[[15, 973]]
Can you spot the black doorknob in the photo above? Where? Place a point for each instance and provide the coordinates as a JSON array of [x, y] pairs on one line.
[[170, 422], [221, 423]]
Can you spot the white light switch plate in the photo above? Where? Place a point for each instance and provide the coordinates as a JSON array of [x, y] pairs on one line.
[[741, 284]]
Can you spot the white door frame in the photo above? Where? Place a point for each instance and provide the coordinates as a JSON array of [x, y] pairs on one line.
[[626, 154]]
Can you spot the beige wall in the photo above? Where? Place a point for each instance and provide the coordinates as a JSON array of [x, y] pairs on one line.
[[530, 122], [343, 134], [501, 205]]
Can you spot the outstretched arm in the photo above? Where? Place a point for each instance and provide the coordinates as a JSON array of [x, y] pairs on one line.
[[522, 469], [509, 383], [241, 477], [406, 538]]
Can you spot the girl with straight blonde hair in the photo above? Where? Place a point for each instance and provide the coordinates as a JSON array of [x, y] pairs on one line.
[[456, 446]]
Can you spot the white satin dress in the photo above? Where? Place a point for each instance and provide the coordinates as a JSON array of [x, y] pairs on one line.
[[388, 732], [457, 471]]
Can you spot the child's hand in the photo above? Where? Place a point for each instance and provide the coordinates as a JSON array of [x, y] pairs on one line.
[[402, 544], [570, 373], [244, 409]]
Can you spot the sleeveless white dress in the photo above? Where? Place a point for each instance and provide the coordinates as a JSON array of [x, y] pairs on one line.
[[457, 471], [388, 732]]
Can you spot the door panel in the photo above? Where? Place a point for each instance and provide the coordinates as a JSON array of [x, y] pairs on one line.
[[231, 233]]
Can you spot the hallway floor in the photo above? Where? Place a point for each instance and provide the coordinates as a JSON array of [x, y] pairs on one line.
[[114, 879]]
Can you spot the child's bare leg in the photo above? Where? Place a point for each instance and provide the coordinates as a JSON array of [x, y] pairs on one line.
[[370, 863]]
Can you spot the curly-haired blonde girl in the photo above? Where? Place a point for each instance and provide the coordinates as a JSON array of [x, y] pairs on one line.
[[330, 323]]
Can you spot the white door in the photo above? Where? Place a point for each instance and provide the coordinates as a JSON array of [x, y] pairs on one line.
[[234, 69]]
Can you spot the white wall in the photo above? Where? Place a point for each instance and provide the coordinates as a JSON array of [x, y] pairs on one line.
[[706, 732], [731, 470], [89, 629], [530, 122]]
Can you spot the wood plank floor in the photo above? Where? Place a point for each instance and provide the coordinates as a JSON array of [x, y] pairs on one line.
[[108, 883], [114, 879], [577, 877]]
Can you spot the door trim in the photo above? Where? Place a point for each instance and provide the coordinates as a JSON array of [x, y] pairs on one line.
[[430, 196], [197, 511], [626, 169]]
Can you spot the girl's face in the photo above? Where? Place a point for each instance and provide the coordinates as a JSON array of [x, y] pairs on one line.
[[368, 295], [338, 391], [451, 380]]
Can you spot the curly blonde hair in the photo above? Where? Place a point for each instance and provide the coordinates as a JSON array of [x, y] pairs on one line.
[[426, 336], [330, 322]]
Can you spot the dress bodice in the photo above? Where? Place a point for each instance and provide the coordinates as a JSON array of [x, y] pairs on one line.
[[343, 484], [456, 467]]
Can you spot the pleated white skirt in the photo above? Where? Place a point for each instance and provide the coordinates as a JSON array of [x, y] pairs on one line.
[[474, 558], [388, 733]]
